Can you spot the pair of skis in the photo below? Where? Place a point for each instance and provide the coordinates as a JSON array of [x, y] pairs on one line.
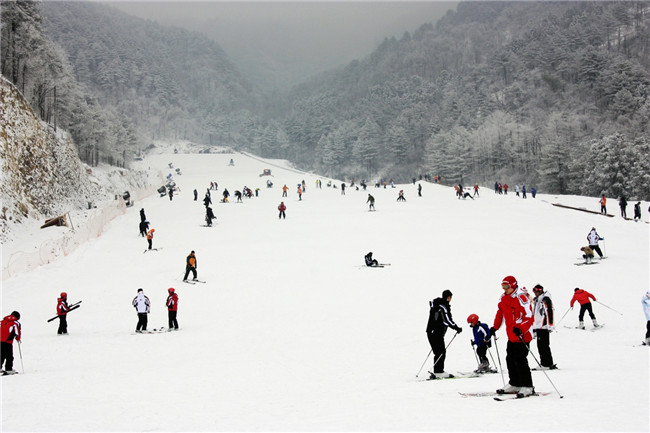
[[193, 281], [71, 307], [501, 396]]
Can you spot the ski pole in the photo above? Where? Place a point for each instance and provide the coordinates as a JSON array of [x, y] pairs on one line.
[[496, 345], [492, 358], [567, 312], [474, 350], [21, 357], [425, 361], [609, 308], [540, 365]]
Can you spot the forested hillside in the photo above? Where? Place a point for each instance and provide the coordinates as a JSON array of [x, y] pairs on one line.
[[549, 94], [170, 82]]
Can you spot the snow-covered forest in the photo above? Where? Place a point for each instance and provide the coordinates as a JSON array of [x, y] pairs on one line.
[[553, 95]]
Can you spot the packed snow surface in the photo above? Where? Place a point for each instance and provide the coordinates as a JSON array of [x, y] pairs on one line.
[[291, 333]]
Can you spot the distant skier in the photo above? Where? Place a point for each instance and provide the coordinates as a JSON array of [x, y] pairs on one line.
[[150, 238], [476, 190], [593, 237], [419, 190], [370, 261], [603, 204], [371, 200], [299, 192], [343, 188], [238, 195], [171, 194], [400, 195], [533, 191], [207, 200], [282, 208], [543, 325], [142, 216], [190, 266], [62, 309], [523, 191], [196, 194], [588, 254], [142, 305], [9, 331], [482, 341], [285, 188], [583, 297], [209, 216], [637, 211], [439, 320], [172, 308], [515, 310], [622, 203], [225, 195]]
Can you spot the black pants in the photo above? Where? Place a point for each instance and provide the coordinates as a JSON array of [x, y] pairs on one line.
[[647, 329], [282, 215], [173, 323], [63, 324], [142, 322], [150, 242], [7, 356], [544, 347], [586, 307], [517, 362], [187, 272], [597, 249], [437, 342]]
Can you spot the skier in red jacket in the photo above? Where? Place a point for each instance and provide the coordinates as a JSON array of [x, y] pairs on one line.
[[583, 296], [62, 309], [282, 207], [515, 308], [9, 330], [172, 308]]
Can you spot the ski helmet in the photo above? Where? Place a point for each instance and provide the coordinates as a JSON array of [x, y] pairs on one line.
[[16, 314], [511, 281], [538, 288], [64, 295], [171, 290], [472, 319]]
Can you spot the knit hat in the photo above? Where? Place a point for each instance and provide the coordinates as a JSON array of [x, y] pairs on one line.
[[16, 314], [510, 280], [140, 290]]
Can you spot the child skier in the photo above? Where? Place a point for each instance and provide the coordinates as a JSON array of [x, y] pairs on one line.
[[481, 341]]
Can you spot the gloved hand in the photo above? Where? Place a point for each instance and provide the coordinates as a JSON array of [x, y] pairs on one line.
[[516, 331], [459, 329], [601, 239], [471, 342], [493, 331]]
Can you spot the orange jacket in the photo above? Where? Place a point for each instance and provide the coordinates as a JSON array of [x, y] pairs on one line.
[[150, 234]]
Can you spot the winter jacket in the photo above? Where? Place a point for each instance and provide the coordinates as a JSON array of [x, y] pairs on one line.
[[593, 237], [62, 307], [172, 302], [544, 312], [582, 296], [9, 329], [282, 207], [646, 305], [517, 312], [141, 303], [190, 262], [150, 234], [482, 334], [440, 317]]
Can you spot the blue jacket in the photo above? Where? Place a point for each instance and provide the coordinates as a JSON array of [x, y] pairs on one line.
[[481, 334], [646, 305]]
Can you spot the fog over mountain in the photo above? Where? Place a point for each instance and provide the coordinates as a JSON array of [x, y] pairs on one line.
[[278, 44]]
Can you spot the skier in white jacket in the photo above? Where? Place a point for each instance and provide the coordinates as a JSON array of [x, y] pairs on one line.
[[142, 305], [646, 309], [593, 237]]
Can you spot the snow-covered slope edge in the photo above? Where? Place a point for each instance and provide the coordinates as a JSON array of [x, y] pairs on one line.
[[42, 177]]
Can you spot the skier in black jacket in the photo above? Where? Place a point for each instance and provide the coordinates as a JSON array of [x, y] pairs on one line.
[[439, 320]]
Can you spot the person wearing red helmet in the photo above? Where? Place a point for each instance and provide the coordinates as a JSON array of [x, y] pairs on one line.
[[481, 341], [62, 309], [9, 331], [515, 309], [172, 308]]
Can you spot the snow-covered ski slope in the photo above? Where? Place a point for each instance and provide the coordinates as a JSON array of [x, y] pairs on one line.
[[290, 333]]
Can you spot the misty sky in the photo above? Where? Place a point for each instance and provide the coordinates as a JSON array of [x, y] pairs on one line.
[[281, 43]]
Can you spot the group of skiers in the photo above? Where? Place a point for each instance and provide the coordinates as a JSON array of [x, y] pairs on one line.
[[622, 203], [521, 318], [142, 306], [500, 188]]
